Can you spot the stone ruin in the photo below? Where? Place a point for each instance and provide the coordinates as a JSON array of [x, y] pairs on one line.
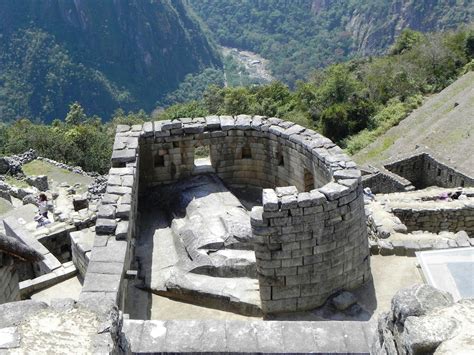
[[309, 236], [305, 240], [413, 172]]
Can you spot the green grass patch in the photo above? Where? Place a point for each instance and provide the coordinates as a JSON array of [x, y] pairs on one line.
[[202, 152], [15, 182], [56, 175], [5, 206], [387, 118], [39, 167]]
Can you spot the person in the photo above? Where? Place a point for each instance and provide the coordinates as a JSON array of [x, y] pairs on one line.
[[43, 205], [41, 220], [369, 194]]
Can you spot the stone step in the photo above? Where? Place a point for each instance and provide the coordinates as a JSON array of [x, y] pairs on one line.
[[240, 295], [256, 337], [229, 263]]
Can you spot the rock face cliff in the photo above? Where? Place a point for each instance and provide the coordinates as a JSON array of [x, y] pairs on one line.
[[375, 25], [298, 36], [105, 54]]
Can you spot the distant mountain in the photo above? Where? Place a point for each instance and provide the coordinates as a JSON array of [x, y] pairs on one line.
[[301, 35], [104, 54]]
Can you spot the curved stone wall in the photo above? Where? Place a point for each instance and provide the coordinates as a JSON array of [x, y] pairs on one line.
[[245, 150], [310, 234]]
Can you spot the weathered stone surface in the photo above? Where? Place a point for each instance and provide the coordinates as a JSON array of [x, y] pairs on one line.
[[344, 300], [105, 226], [417, 301], [333, 190], [123, 211], [256, 218], [269, 200], [106, 211], [4, 165], [386, 248], [422, 335], [148, 129], [423, 320], [40, 182], [101, 282], [80, 203], [462, 239], [256, 337], [122, 230], [286, 190], [213, 122], [227, 122], [13, 313], [289, 201], [123, 156], [9, 338]]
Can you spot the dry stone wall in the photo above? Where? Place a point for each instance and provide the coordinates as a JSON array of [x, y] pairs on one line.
[[310, 235], [243, 150], [309, 245], [423, 170], [435, 219], [109, 261]]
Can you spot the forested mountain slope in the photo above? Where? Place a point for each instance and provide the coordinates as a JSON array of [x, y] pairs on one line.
[[104, 54], [301, 35], [444, 124]]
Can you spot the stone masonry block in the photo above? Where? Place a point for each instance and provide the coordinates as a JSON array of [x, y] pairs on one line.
[[333, 191], [256, 218], [269, 200], [289, 202], [286, 190], [105, 226]]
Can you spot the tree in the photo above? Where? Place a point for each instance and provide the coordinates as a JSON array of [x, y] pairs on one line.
[[406, 41], [75, 115]]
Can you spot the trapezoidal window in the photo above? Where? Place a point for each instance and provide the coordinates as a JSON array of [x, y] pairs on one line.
[[308, 181], [159, 160], [202, 159], [246, 152], [280, 157]]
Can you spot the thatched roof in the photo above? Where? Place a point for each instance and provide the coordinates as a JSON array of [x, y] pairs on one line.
[[18, 249]]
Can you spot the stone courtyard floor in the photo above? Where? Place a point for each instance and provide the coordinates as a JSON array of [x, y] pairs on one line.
[[390, 273], [70, 288]]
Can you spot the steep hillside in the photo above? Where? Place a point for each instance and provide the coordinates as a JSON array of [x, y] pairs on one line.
[[444, 124], [298, 36], [104, 54]]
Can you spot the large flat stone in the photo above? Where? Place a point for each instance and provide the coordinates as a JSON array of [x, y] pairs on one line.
[[101, 282], [14, 312]]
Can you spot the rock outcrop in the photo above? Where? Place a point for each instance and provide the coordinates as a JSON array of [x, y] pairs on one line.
[[424, 320]]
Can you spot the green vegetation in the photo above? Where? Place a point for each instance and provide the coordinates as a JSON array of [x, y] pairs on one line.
[[104, 54], [352, 103], [57, 175], [5, 206], [38, 167], [16, 182], [79, 141], [298, 36]]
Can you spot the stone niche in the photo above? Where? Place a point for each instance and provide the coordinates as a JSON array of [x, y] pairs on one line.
[[310, 237]]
